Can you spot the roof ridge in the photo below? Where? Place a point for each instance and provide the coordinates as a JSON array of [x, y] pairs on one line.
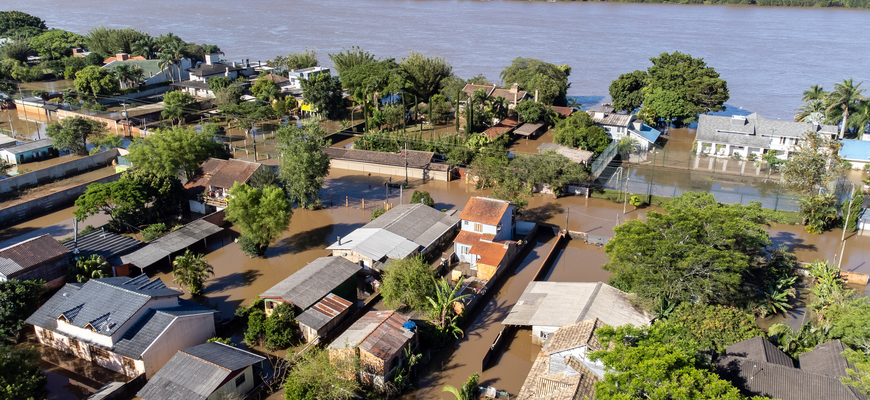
[[391, 312], [121, 288], [204, 360]]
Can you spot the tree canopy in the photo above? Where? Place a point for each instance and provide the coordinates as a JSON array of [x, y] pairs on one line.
[[96, 82], [324, 93], [18, 23], [350, 58], [19, 300], [304, 166], [580, 131], [176, 104], [262, 214], [550, 80], [626, 91], [812, 164], [56, 43], [20, 376], [169, 150], [700, 251], [318, 376], [73, 134], [110, 41], [122, 200], [425, 74], [265, 89], [407, 282]]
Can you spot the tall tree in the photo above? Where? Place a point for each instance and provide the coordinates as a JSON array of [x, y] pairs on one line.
[[13, 22], [812, 164], [107, 42], [845, 97], [407, 282], [324, 93], [266, 89], [425, 74], [262, 214], [56, 43], [19, 300], [301, 60], [190, 271], [549, 80], [20, 375], [679, 87], [123, 201], [169, 150], [163, 192], [304, 166], [700, 251], [580, 131], [350, 58], [145, 47], [73, 134], [96, 82], [626, 92], [316, 375], [171, 54]]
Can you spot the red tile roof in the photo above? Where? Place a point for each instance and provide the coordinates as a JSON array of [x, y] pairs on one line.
[[470, 238], [484, 210], [505, 126], [491, 253], [232, 171], [564, 111]]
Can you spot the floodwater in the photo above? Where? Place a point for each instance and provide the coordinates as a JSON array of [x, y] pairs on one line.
[[21, 127], [726, 37]]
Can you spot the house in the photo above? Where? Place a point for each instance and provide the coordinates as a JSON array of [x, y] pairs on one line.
[[486, 239], [864, 222], [106, 245], [296, 75], [562, 370], [504, 126], [576, 155], [758, 368], [856, 152], [201, 73], [123, 57], [35, 107], [39, 258], [129, 325], [752, 135], [6, 141], [282, 82], [513, 95], [618, 126], [547, 306], [31, 151], [153, 73], [403, 231], [410, 163], [565, 112], [210, 371], [378, 340], [323, 292], [208, 190]]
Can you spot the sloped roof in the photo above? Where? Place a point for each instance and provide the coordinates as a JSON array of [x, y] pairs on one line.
[[490, 253], [609, 118], [415, 159], [565, 112], [45, 317], [752, 130], [276, 78], [149, 67], [170, 243], [759, 349], [469, 89], [826, 359], [102, 304], [30, 253], [29, 146], [564, 303], [202, 70], [230, 172], [528, 129], [196, 372], [314, 281], [151, 325], [506, 93], [504, 126], [376, 243], [648, 133], [484, 210], [855, 150], [781, 382], [324, 311], [418, 223], [104, 244], [380, 333], [575, 155], [574, 335]]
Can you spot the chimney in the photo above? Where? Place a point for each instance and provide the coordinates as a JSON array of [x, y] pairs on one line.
[[515, 88], [122, 56], [247, 63], [600, 115], [536, 95], [211, 59], [638, 124], [339, 240]]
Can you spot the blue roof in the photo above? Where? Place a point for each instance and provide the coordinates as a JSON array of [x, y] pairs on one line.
[[649, 133], [855, 150]]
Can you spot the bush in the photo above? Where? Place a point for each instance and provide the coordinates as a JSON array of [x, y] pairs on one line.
[[422, 197], [377, 213], [279, 327], [154, 231], [635, 201], [87, 229], [847, 165], [751, 157], [867, 167], [256, 327], [736, 156], [250, 247]]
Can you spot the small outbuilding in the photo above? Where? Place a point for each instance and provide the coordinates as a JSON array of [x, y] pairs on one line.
[[312, 283], [32, 151], [378, 340], [39, 258]]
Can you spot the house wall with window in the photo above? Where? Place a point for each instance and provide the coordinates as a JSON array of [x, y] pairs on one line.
[[240, 384], [97, 355]]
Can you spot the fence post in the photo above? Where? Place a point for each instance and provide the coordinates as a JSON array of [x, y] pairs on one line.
[[346, 202], [776, 204], [363, 204]]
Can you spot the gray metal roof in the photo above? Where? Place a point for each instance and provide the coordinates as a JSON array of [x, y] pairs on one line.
[[418, 223], [29, 253], [45, 316], [35, 145], [314, 281], [759, 349], [170, 243], [563, 303], [826, 359], [752, 130], [151, 325], [104, 244], [781, 382], [196, 372], [104, 304], [376, 243]]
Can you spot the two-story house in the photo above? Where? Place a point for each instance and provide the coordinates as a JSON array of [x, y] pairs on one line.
[[297, 75], [752, 135], [377, 341], [208, 191], [129, 325], [513, 95], [201, 73], [151, 69], [618, 126], [486, 238]]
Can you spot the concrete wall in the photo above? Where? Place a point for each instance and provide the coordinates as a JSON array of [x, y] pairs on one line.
[[58, 171], [112, 125], [417, 173], [51, 202], [182, 333]]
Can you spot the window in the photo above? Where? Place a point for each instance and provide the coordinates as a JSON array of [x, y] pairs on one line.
[[47, 335], [478, 227], [99, 353], [240, 380]]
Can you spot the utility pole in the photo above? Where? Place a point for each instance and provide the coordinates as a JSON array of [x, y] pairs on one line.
[[26, 123], [567, 214], [406, 162], [126, 119], [254, 140], [625, 190], [846, 225]]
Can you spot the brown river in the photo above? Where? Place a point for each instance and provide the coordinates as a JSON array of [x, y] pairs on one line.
[[768, 55]]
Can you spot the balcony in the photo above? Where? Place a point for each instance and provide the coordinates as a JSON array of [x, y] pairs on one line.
[[215, 201]]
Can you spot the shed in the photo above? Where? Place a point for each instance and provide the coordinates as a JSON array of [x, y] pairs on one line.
[[31, 151], [104, 244], [313, 282], [378, 340], [323, 317], [173, 241], [41, 257], [529, 130], [575, 155]]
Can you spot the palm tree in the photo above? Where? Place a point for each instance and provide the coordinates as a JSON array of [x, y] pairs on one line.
[[191, 270], [442, 311], [816, 92], [90, 268], [845, 96], [145, 47], [805, 339], [466, 392], [171, 55], [129, 74], [813, 111]]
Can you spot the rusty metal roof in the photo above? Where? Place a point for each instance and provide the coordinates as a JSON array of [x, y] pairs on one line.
[[380, 333], [30, 253], [324, 311]]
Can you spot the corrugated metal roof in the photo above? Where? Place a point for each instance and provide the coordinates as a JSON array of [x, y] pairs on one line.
[[415, 159], [418, 223], [575, 155], [170, 243], [314, 281], [376, 243], [564, 303], [104, 244], [380, 333], [781, 382], [227, 357], [30, 146], [324, 311], [30, 253], [151, 325]]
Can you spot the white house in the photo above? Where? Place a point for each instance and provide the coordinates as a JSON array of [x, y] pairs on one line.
[[153, 73], [129, 325], [212, 371], [487, 234], [856, 152], [618, 126], [201, 73], [296, 75], [752, 135]]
